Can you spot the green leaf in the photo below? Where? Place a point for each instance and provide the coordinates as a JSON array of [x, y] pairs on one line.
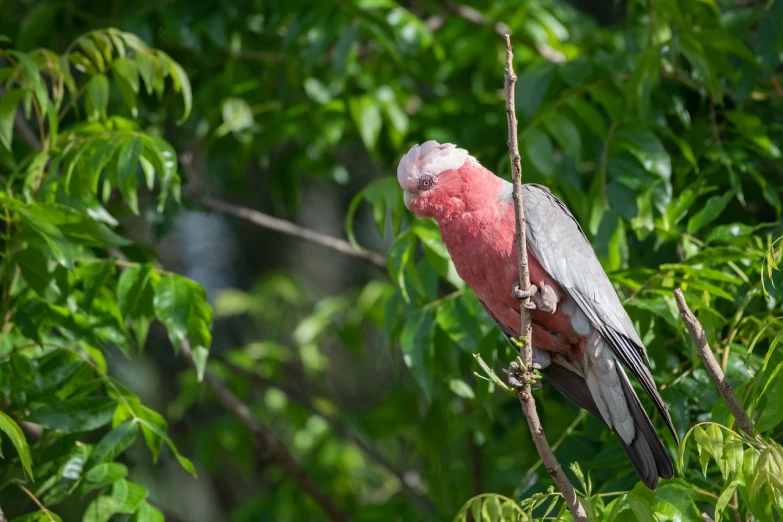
[[148, 66], [694, 52], [589, 114], [711, 211], [135, 296], [136, 291], [672, 504], [399, 256], [35, 269], [759, 472], [75, 415], [181, 84], [43, 515], [383, 195], [538, 149], [733, 452], [96, 98], [103, 474], [18, 440], [163, 158], [153, 426], [643, 79], [94, 277], [641, 507], [128, 496], [416, 342], [458, 318], [724, 499], [723, 41], [91, 51], [61, 228], [645, 146], [181, 305], [461, 388], [147, 513], [200, 355], [113, 443], [772, 414], [35, 82], [126, 77], [127, 169], [709, 442], [565, 133], [100, 510], [729, 233], [58, 380], [532, 86], [366, 113], [8, 104]]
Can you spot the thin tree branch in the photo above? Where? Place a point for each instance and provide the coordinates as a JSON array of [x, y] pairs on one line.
[[711, 365], [292, 229], [339, 428], [523, 392], [268, 442], [38, 503]]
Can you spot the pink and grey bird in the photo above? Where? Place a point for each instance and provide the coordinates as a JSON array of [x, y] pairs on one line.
[[583, 338]]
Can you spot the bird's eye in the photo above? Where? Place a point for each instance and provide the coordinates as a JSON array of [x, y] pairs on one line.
[[426, 182]]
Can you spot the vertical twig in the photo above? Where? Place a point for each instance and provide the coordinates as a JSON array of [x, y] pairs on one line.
[[711, 365], [523, 393]]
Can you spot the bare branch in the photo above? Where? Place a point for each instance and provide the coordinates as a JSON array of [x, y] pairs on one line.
[[523, 392], [292, 229], [340, 429], [711, 365], [268, 442]]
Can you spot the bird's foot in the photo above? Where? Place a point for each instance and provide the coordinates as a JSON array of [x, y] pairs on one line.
[[546, 299], [519, 377], [524, 295]]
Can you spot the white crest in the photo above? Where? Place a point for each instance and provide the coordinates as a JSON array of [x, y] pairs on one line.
[[430, 158]]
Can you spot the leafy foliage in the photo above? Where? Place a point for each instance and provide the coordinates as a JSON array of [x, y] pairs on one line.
[[70, 298]]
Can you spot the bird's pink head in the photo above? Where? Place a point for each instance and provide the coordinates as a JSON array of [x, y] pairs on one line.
[[422, 171]]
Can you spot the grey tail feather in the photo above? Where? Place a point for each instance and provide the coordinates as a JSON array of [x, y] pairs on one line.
[[646, 452]]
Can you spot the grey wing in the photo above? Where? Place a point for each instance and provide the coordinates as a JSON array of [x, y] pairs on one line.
[[555, 238]]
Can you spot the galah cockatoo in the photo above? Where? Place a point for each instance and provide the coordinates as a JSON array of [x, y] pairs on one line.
[[582, 336]]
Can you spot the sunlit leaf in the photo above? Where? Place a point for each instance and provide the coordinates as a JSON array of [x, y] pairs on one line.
[[18, 440], [96, 98]]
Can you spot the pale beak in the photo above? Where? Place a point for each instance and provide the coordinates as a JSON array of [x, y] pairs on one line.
[[407, 197]]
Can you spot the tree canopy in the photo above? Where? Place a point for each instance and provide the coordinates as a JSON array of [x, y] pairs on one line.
[[216, 306]]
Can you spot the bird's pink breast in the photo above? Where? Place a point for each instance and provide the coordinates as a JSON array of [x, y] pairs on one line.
[[483, 247]]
